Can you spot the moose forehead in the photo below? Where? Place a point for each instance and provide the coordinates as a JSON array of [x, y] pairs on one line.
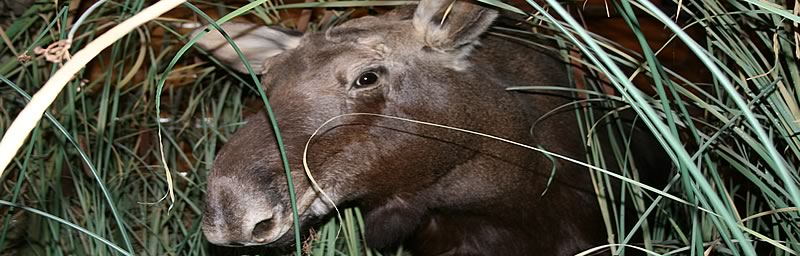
[[354, 42]]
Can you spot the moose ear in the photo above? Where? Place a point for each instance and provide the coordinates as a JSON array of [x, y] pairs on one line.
[[256, 42], [449, 25]]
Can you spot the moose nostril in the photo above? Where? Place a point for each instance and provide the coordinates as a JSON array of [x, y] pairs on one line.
[[261, 230]]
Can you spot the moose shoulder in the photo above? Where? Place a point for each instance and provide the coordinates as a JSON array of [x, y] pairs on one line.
[[436, 191]]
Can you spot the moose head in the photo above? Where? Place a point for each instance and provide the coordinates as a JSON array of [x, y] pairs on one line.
[[436, 190]]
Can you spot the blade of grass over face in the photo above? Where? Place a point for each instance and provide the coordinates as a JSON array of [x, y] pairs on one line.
[[271, 116], [550, 154]]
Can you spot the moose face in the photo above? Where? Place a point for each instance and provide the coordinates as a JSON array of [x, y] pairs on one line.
[[405, 64]]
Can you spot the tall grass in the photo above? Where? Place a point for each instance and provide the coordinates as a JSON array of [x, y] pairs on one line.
[[733, 137], [734, 141]]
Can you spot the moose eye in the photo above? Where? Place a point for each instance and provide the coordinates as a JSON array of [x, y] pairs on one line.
[[366, 79]]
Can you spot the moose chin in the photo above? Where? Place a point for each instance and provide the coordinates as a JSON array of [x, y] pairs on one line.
[[434, 191]]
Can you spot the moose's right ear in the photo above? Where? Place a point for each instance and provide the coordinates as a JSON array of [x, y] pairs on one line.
[[450, 25], [257, 43]]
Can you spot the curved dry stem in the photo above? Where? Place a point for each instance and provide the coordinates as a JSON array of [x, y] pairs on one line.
[[32, 113]]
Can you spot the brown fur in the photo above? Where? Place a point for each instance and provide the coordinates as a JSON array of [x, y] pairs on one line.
[[436, 191]]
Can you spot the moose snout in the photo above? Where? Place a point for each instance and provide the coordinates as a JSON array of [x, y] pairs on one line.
[[234, 217]]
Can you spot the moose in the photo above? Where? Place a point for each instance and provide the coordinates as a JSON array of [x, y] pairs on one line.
[[433, 190]]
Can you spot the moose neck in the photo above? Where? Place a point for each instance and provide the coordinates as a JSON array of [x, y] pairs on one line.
[[497, 179]]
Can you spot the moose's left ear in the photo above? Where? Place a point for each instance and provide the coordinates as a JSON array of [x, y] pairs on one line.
[[257, 43], [449, 25]]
